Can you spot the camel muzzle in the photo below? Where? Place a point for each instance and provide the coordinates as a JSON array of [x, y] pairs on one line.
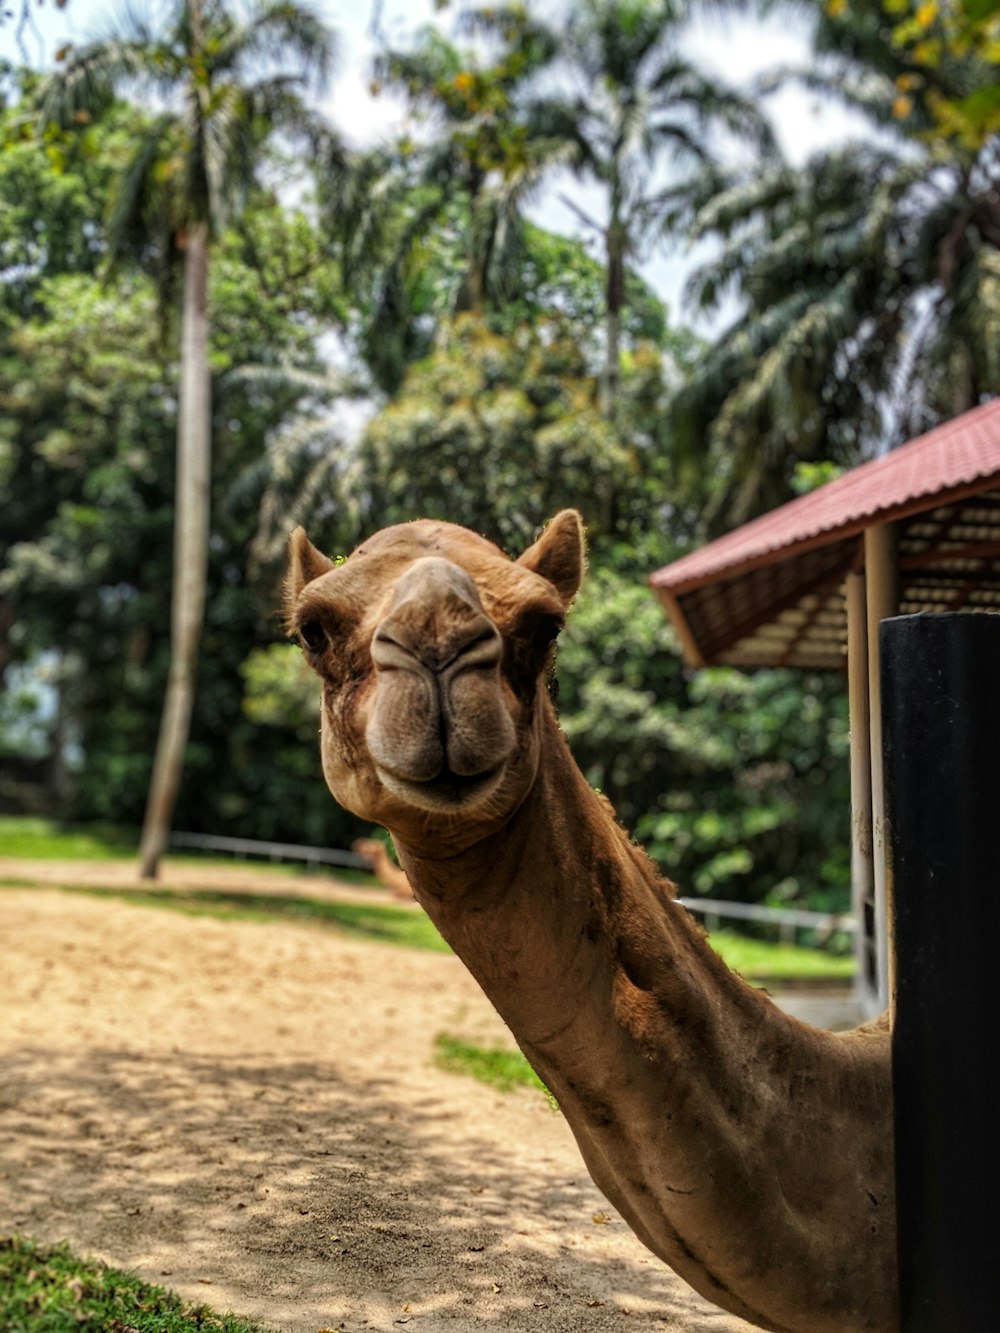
[[439, 711]]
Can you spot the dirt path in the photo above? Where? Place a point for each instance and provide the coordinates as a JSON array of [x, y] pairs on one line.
[[250, 1114]]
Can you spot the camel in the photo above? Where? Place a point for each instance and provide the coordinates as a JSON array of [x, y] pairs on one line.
[[749, 1151], [384, 868]]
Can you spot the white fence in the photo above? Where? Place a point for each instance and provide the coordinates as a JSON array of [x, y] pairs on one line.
[[787, 920]]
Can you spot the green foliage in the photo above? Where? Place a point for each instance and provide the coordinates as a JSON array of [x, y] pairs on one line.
[[89, 401], [949, 33], [867, 279], [53, 200], [498, 433], [766, 791], [736, 784], [434, 224], [87, 412], [620, 681], [559, 278], [511, 425], [493, 419], [222, 88], [280, 689], [631, 102], [47, 1289]]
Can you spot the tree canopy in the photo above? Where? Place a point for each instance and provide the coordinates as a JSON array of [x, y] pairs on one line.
[[391, 331]]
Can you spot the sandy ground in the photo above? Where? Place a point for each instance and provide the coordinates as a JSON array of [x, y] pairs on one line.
[[250, 1114]]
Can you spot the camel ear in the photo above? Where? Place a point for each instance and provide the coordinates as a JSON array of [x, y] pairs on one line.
[[305, 563], [560, 554]]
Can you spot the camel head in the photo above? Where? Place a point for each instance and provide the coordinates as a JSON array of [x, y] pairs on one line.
[[432, 648]]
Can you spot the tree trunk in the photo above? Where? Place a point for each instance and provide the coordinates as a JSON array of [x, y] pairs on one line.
[[190, 572], [616, 241]]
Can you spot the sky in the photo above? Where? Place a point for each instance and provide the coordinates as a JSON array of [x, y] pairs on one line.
[[738, 50]]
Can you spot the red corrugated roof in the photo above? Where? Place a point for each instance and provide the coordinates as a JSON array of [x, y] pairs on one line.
[[962, 453]]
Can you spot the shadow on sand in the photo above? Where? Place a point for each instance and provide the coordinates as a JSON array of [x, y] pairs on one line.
[[334, 1199]]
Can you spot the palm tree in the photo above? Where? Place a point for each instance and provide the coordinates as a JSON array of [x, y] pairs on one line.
[[219, 82], [636, 106], [463, 176], [869, 278]]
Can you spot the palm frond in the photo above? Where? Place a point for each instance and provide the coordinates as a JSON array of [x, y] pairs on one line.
[[87, 82], [132, 201], [869, 93], [280, 30]]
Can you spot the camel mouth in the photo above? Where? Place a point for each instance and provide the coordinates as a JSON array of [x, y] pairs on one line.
[[447, 791]]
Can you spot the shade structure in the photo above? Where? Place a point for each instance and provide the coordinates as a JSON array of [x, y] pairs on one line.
[[771, 593], [808, 585]]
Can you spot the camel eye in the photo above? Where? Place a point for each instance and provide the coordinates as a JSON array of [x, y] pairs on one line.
[[541, 631], [313, 636], [547, 633]]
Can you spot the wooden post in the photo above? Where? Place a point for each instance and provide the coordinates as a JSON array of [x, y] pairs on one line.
[[882, 600], [942, 738], [866, 984]]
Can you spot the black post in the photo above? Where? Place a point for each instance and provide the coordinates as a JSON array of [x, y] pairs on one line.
[[941, 730]]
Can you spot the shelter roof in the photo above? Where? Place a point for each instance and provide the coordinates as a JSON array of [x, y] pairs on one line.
[[770, 593]]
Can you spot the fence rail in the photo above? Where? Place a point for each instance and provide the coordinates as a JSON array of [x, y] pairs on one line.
[[787, 920], [271, 851]]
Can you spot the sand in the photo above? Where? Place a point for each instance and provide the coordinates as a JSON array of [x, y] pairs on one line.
[[251, 1114]]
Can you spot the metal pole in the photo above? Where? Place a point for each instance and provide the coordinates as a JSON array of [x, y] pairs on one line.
[[941, 728]]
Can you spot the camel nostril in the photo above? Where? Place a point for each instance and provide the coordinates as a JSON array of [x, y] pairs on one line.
[[481, 648], [403, 642]]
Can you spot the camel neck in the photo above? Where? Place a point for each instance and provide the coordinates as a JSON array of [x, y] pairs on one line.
[[559, 909], [717, 1125]]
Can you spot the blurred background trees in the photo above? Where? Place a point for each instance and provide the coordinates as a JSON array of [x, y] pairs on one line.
[[394, 333], [867, 278], [221, 88]]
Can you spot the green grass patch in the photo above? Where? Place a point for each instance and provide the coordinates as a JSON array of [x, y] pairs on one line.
[[757, 960], [47, 840], [382, 924], [50, 1290], [763, 960], [42, 839], [495, 1065]]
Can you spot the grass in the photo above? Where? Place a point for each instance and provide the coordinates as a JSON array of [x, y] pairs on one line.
[[384, 925], [50, 1290], [762, 960], [41, 839], [500, 1068], [757, 960], [46, 840]]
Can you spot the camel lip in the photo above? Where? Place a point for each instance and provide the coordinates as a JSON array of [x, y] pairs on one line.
[[446, 792]]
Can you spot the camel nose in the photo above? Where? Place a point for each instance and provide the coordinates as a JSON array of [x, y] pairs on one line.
[[436, 618], [438, 710]]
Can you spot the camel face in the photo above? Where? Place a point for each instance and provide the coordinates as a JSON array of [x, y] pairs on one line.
[[432, 647]]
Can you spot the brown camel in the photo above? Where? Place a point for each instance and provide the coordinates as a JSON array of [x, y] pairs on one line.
[[751, 1152], [384, 868]]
